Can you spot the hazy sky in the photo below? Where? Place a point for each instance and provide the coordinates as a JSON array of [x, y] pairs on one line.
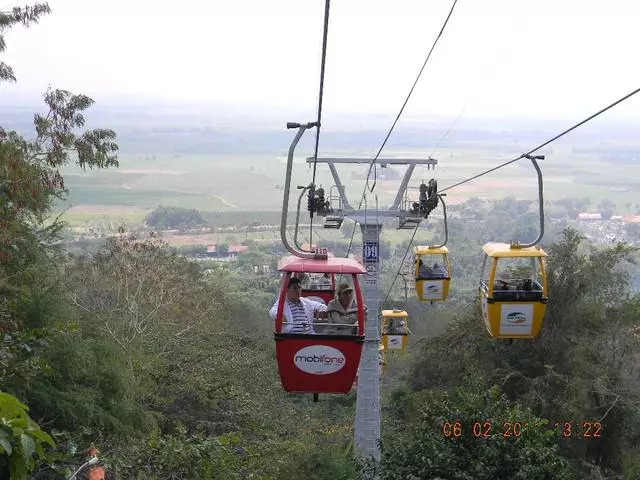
[[497, 58]]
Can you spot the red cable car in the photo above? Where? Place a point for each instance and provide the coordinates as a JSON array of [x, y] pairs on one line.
[[318, 363]]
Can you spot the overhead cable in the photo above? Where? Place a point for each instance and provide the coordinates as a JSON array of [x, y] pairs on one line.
[[444, 25], [373, 162], [319, 119], [524, 155]]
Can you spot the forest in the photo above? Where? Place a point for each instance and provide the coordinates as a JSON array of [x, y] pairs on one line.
[[166, 366]]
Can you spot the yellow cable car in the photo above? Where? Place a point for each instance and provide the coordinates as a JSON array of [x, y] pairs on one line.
[[514, 292], [395, 330], [432, 273]]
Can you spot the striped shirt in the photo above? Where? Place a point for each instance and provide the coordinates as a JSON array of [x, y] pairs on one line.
[[301, 323]]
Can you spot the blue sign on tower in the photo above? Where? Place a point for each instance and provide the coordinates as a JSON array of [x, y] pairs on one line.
[[370, 252]]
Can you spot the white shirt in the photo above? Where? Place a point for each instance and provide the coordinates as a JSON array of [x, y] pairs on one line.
[[309, 306]]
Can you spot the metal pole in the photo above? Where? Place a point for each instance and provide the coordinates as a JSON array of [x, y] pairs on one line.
[[367, 428]]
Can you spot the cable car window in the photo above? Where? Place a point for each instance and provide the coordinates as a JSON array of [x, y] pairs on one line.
[[316, 281], [517, 279], [431, 269]]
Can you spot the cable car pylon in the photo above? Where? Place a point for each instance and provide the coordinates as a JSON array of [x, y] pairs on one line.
[[367, 425]]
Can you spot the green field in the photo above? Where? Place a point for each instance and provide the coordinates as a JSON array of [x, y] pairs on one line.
[[249, 182]]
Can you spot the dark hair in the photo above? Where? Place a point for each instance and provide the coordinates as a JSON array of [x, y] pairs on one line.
[[294, 281]]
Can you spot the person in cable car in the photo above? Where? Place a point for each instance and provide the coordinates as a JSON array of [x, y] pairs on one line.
[[402, 328], [423, 270], [342, 312], [390, 328], [299, 312], [438, 270]]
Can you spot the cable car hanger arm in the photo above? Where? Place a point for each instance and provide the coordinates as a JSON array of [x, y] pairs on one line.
[[446, 229], [295, 232], [534, 158], [287, 187]]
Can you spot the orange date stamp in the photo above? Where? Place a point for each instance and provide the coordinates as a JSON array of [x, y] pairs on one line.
[[515, 429]]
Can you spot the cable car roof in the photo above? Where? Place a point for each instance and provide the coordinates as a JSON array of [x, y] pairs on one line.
[[394, 313], [330, 265], [504, 250], [425, 250]]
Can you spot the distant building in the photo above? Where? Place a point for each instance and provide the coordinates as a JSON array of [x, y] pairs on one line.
[[234, 250], [632, 219], [589, 216]]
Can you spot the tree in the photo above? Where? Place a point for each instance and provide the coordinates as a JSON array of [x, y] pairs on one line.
[[174, 217], [470, 433], [139, 293], [222, 248], [30, 181]]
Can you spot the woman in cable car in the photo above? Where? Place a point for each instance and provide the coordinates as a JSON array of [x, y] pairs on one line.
[[310, 361]]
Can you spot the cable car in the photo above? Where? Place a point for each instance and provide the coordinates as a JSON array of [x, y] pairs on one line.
[[318, 363], [395, 330], [513, 290], [432, 273]]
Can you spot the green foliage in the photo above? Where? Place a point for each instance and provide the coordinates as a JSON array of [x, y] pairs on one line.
[[222, 249], [140, 293], [21, 356], [427, 448], [582, 368], [21, 439], [91, 390], [174, 217], [57, 135], [320, 460], [182, 455], [191, 250]]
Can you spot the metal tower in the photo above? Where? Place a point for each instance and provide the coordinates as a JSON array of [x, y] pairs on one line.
[[335, 210], [409, 214]]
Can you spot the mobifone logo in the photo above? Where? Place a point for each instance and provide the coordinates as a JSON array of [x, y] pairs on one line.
[[319, 359], [433, 289]]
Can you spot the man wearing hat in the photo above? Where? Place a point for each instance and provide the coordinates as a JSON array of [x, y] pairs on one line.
[[342, 312]]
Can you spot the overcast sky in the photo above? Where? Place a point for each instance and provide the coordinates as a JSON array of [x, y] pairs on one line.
[[539, 58]]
